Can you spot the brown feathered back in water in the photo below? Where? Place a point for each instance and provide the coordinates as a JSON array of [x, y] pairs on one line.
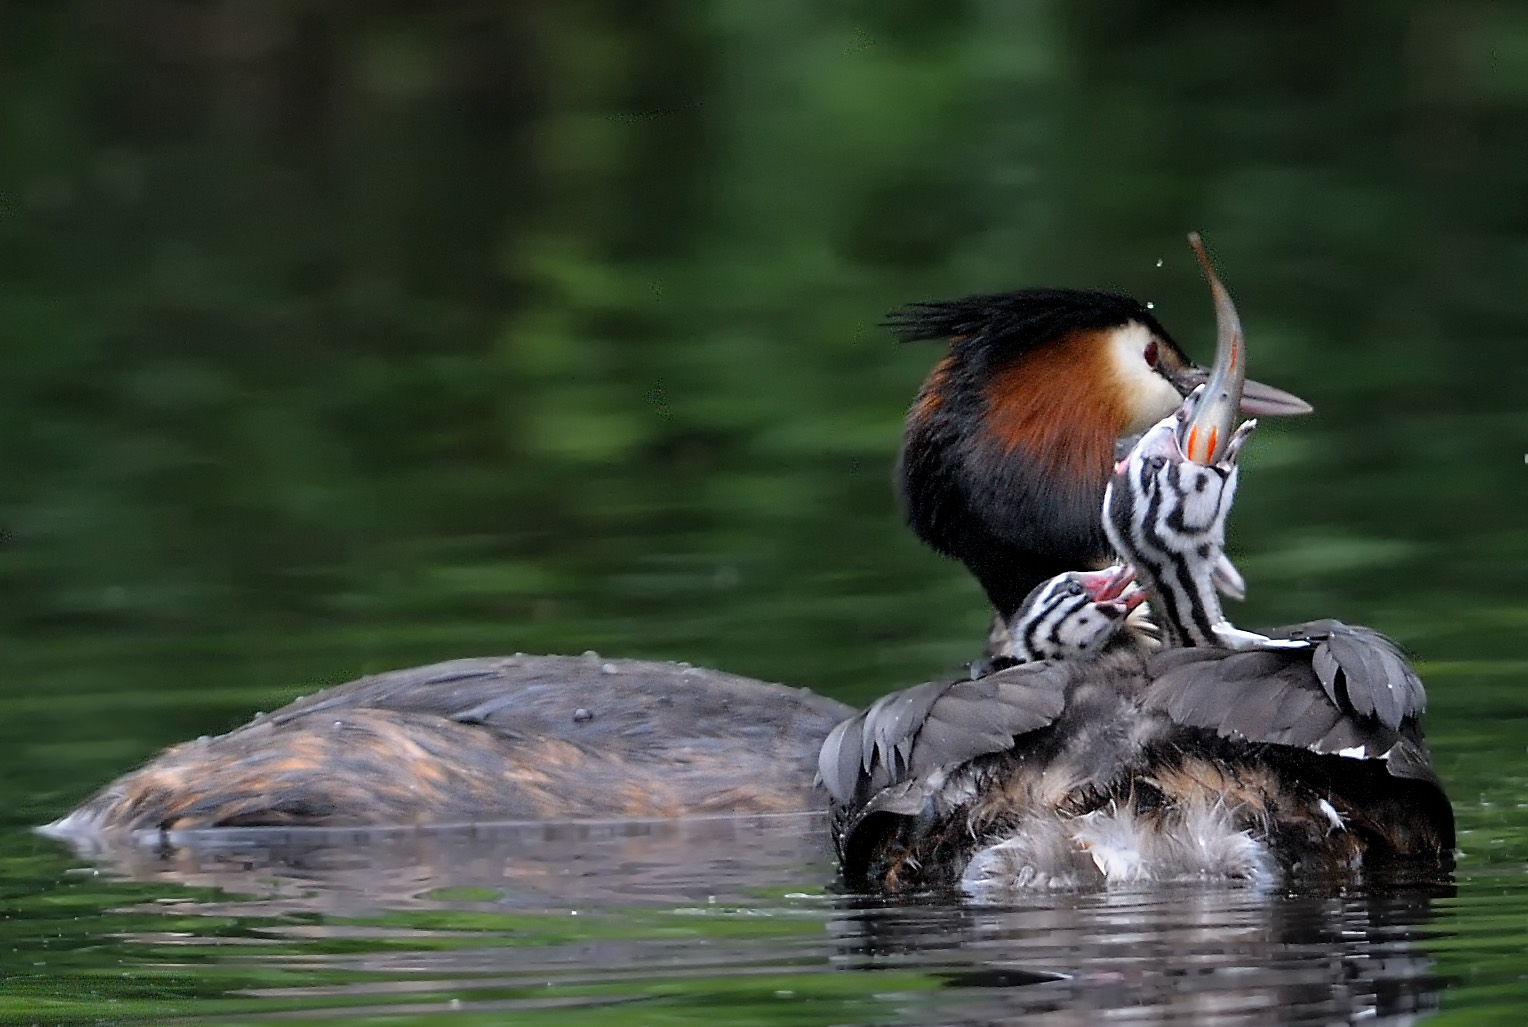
[[489, 739]]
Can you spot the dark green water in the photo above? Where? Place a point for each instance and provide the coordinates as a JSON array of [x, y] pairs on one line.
[[339, 337]]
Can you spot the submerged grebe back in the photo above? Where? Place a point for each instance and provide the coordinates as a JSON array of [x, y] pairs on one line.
[[489, 739]]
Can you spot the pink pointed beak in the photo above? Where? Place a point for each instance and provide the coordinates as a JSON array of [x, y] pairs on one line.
[[1114, 587]]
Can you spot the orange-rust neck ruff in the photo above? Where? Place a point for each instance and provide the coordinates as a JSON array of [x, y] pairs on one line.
[[1055, 406]]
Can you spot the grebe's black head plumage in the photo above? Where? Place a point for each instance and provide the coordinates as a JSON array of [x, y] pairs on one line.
[[1007, 323], [1009, 446]]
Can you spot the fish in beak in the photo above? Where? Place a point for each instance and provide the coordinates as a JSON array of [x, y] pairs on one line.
[[1207, 431], [1226, 382]]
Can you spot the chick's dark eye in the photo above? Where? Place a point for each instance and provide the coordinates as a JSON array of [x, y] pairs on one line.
[[1151, 353], [1072, 589]]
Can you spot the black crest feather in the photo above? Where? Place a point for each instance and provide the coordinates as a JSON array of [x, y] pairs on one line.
[[1029, 317]]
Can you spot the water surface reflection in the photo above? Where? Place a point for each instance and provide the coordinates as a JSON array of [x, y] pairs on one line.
[[530, 917], [529, 865], [1217, 956]]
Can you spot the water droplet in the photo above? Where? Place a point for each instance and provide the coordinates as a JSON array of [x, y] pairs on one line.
[[1150, 305], [1159, 264]]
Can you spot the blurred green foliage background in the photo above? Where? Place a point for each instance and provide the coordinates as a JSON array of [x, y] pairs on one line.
[[343, 335]]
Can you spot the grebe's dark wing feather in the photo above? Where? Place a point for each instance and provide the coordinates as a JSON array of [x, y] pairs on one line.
[[915, 731], [871, 748], [1363, 670], [1258, 696], [1380, 680], [1348, 690]]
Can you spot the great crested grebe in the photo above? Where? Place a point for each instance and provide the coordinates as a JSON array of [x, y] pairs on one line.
[[1219, 754], [578, 737]]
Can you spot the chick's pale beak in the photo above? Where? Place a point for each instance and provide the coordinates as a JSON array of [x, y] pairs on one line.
[[1133, 597]]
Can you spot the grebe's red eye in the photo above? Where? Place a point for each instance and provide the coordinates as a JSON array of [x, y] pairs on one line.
[[1151, 353]]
